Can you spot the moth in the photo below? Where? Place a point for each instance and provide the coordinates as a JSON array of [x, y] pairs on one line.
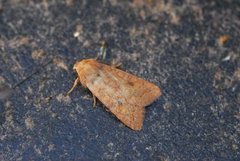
[[124, 94]]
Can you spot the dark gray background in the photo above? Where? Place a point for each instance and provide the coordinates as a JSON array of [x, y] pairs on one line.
[[173, 44]]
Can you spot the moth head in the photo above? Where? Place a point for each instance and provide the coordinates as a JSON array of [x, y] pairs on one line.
[[83, 63], [76, 65], [81, 67]]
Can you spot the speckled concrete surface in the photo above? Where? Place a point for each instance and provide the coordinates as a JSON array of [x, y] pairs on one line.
[[178, 45]]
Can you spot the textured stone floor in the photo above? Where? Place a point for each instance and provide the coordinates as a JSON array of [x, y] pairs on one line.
[[190, 48]]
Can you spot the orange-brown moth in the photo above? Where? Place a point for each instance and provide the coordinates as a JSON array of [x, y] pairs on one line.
[[124, 94]]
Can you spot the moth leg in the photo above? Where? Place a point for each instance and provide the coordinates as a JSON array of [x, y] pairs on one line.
[[96, 58], [116, 64], [103, 50], [94, 100], [73, 86]]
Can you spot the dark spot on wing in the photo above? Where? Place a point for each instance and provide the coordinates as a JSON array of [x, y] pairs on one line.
[[119, 102], [98, 75], [130, 83]]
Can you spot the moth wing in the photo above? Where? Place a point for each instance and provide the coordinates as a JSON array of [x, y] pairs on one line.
[[124, 94], [132, 116]]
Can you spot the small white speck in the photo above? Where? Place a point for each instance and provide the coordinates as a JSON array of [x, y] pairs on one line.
[[76, 34], [37, 150], [110, 144], [227, 58], [50, 147], [29, 123]]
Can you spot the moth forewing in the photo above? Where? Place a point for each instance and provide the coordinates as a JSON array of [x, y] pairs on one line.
[[124, 94]]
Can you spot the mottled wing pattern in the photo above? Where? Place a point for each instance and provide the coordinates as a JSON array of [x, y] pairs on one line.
[[125, 95]]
